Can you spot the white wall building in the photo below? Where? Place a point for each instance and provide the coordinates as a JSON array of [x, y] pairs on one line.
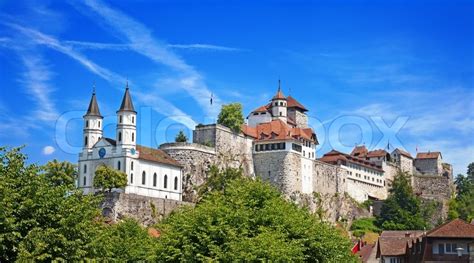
[[150, 172]]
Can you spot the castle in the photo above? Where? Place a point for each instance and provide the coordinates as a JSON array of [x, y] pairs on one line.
[[275, 144]]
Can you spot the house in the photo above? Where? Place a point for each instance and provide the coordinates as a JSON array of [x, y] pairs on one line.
[[450, 242]]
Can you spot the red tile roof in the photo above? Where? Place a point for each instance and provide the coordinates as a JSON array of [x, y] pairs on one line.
[[394, 243], [428, 155], [377, 153], [155, 155], [263, 108], [333, 157], [278, 130], [279, 96], [360, 151], [292, 103], [456, 228]]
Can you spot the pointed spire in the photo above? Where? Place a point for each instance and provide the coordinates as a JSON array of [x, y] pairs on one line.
[[127, 104], [279, 95], [93, 109]]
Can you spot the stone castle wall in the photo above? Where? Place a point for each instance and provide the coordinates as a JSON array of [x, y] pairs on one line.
[[146, 210], [328, 178], [433, 187], [428, 166], [196, 160], [280, 168]]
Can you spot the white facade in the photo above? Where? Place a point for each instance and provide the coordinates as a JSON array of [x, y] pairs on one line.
[[256, 118]]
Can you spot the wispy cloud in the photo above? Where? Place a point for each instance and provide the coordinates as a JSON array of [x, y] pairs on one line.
[[112, 77], [141, 40], [124, 47]]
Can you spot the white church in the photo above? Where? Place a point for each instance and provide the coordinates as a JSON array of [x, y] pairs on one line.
[[150, 172]]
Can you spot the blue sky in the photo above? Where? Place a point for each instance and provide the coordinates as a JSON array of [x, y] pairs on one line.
[[369, 71]]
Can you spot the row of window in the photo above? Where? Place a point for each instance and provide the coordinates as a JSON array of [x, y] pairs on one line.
[[367, 170], [155, 179], [120, 136], [448, 248], [366, 177], [270, 147]]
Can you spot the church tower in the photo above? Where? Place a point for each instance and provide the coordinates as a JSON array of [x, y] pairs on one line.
[[279, 107], [126, 122], [92, 124]]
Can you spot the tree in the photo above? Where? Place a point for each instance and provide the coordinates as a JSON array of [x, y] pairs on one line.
[[218, 179], [43, 217], [249, 221], [462, 205], [60, 173], [181, 137], [108, 178], [401, 210], [231, 116]]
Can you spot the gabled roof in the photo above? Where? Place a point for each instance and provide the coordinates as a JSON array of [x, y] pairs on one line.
[[402, 152], [127, 104], [428, 155], [293, 103], [377, 153], [333, 157], [395, 243], [456, 228], [155, 155], [360, 151], [278, 130], [263, 108], [93, 109]]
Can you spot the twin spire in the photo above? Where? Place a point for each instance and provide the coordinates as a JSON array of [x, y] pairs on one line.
[[127, 104]]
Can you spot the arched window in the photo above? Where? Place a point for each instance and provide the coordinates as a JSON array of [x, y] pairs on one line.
[[176, 183], [85, 168], [131, 166], [165, 181], [85, 141], [143, 178], [133, 136], [154, 179], [87, 124], [84, 181], [120, 137], [118, 165], [281, 103], [131, 178], [120, 117]]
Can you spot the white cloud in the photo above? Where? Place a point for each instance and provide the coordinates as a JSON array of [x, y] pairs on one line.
[[141, 40], [112, 77], [48, 150]]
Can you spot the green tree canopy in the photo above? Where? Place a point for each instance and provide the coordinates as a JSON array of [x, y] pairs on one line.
[[107, 178], [401, 210], [42, 216], [249, 221], [462, 206], [181, 137], [231, 116]]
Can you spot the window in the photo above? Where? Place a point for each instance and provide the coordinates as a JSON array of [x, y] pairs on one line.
[[165, 181], [85, 168], [87, 124], [85, 141], [131, 178], [281, 114], [276, 103], [281, 103], [176, 183], [133, 136], [84, 181], [133, 119], [441, 249], [143, 178], [131, 166], [120, 119], [99, 124], [120, 137], [256, 148], [118, 165], [255, 113], [154, 179]]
